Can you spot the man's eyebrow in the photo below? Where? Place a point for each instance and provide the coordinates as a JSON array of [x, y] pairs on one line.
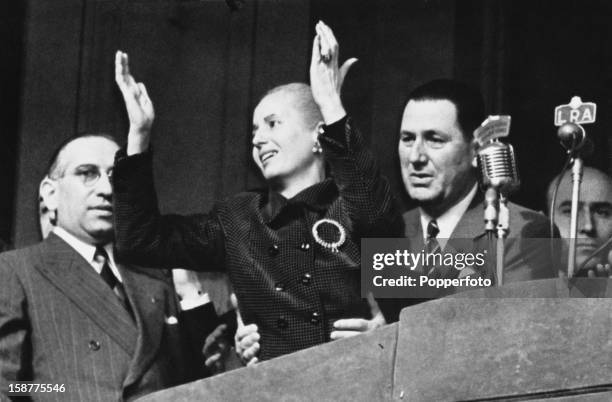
[[601, 204], [86, 166], [566, 203], [433, 132]]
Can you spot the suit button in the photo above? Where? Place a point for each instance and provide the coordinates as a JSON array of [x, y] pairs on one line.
[[279, 287], [282, 323], [304, 246], [273, 250], [94, 345], [306, 278], [315, 318], [153, 300]]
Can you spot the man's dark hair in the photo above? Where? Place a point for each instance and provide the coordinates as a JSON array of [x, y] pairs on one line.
[[467, 100], [53, 164]]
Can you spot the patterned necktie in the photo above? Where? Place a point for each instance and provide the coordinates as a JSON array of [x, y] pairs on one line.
[[111, 280], [431, 244], [432, 233]]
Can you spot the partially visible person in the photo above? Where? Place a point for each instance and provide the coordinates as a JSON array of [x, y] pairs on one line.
[[212, 317], [209, 294], [437, 154], [71, 314], [292, 251], [594, 219]]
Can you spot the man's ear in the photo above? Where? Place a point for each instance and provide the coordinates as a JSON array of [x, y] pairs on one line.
[[48, 192]]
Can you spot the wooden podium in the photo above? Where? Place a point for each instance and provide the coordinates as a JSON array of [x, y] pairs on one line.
[[543, 340]]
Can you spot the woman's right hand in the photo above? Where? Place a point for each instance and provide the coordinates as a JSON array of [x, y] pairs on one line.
[[139, 107]]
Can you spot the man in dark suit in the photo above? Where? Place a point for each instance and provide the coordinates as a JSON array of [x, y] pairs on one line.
[[70, 314], [437, 154]]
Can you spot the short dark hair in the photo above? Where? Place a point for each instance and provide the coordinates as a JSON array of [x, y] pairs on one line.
[[467, 100], [53, 164]]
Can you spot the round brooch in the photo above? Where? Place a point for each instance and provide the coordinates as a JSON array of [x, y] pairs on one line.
[[334, 245]]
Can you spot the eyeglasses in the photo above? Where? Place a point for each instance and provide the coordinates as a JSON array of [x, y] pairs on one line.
[[88, 174]]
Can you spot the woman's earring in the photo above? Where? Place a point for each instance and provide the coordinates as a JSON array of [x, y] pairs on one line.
[[316, 149]]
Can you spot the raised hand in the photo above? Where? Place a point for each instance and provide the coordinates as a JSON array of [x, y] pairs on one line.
[[326, 77], [139, 107]]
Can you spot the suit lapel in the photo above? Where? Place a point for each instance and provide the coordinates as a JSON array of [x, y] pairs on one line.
[[471, 224], [150, 301], [412, 222], [470, 236], [78, 281], [469, 230]]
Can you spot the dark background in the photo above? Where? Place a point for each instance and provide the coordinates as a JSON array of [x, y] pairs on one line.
[[206, 66]]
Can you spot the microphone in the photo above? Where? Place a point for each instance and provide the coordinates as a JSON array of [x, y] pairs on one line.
[[570, 118], [499, 175], [496, 160], [498, 167], [572, 136]]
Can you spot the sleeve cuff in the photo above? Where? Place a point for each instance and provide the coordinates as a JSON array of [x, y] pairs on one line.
[[336, 131], [121, 157], [335, 137]]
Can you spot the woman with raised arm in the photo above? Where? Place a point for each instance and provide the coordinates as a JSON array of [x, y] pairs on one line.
[[292, 251]]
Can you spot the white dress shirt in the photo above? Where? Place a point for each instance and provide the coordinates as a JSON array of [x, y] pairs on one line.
[[449, 219], [88, 251]]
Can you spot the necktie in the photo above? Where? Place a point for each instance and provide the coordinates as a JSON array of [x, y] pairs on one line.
[[111, 280], [431, 244]]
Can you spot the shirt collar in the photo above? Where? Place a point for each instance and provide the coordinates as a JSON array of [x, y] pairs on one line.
[[316, 197], [86, 250], [449, 219]]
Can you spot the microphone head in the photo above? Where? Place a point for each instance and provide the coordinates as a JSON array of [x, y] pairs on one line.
[[572, 136], [498, 169]]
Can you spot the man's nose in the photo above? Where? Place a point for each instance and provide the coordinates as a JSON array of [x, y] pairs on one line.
[[417, 152], [104, 186], [586, 224]]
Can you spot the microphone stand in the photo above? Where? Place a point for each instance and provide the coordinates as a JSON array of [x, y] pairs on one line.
[[577, 168], [497, 221], [491, 215], [576, 134], [503, 224]]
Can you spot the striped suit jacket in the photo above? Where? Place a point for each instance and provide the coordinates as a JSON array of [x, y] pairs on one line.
[[61, 324]]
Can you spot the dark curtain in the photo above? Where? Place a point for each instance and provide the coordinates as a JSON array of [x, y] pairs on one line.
[[206, 67], [12, 15], [530, 56]]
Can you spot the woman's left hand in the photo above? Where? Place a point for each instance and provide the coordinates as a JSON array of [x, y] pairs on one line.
[[326, 77]]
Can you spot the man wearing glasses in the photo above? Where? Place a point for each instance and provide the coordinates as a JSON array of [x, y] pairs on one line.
[[73, 316]]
